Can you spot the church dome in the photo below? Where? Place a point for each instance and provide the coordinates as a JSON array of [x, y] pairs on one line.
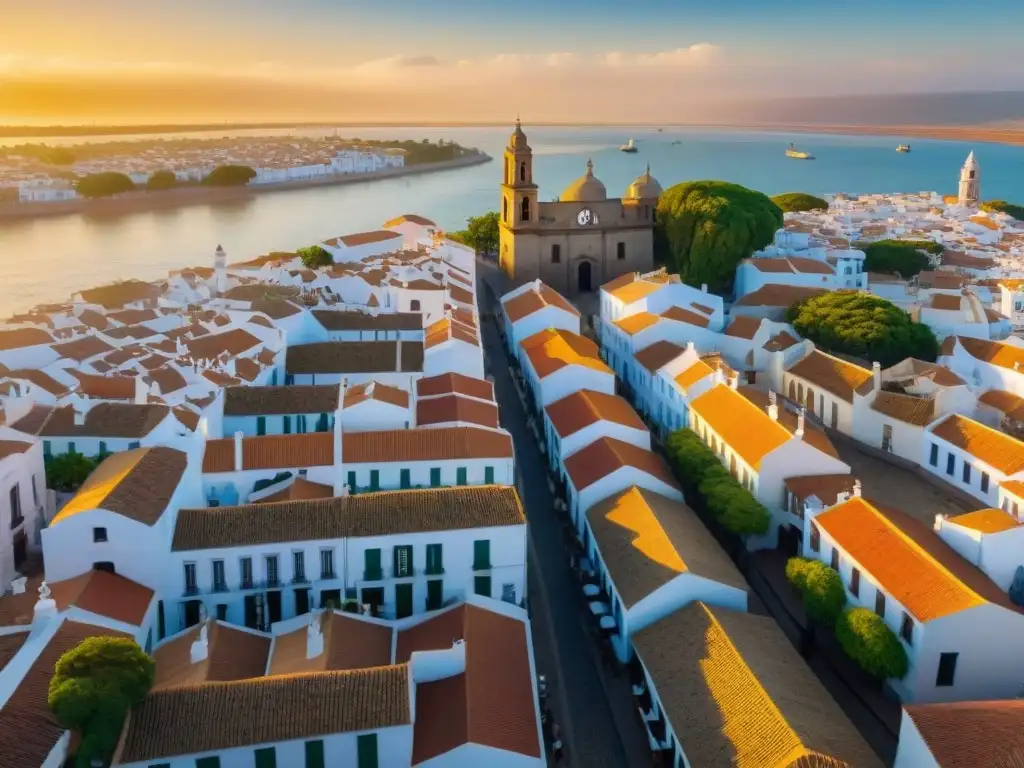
[[643, 187], [586, 189], [518, 139]]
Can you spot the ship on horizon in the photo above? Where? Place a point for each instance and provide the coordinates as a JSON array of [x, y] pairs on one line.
[[797, 154], [629, 146], [903, 148]]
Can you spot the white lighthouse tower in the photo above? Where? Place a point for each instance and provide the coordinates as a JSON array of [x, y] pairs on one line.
[[970, 182], [220, 272]]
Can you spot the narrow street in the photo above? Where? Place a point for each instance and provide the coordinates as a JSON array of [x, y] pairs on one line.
[[564, 650]]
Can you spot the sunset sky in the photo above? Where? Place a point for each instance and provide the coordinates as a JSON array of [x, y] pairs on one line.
[[121, 61]]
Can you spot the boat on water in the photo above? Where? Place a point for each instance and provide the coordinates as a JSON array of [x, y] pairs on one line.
[[797, 154], [903, 148], [677, 141], [660, 130], [629, 146]]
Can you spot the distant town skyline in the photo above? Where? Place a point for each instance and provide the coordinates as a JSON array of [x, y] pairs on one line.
[[463, 61]]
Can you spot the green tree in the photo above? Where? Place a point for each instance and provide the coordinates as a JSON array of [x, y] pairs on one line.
[[792, 202], [314, 256], [1001, 206], [703, 229], [864, 326], [104, 184], [824, 594], [93, 687], [905, 257], [160, 180], [68, 471], [229, 176], [796, 572], [866, 639], [480, 234]]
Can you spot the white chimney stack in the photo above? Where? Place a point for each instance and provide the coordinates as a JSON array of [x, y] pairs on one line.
[[734, 380], [703, 287], [691, 346], [314, 635], [773, 407], [80, 409], [799, 434], [46, 607], [876, 374], [239, 436], [856, 489], [200, 649]]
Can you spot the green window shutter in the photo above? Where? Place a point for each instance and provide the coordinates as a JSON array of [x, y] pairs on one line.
[[208, 762], [371, 561], [103, 447], [406, 481], [322, 423], [482, 555], [366, 747], [403, 561], [47, 448], [314, 754], [71, 446], [482, 585], [435, 564], [261, 425], [266, 758], [287, 425], [460, 476], [351, 480], [488, 475], [374, 480], [133, 445], [435, 477]]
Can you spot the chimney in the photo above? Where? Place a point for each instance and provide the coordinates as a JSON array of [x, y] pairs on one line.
[[80, 408], [691, 346], [239, 436], [856, 489], [703, 287], [201, 647], [734, 380], [876, 373], [45, 608], [773, 407], [315, 635], [398, 356], [799, 434]]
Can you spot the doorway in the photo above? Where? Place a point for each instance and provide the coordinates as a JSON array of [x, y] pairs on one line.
[[583, 277], [273, 606], [192, 612], [20, 549], [301, 601], [403, 600]]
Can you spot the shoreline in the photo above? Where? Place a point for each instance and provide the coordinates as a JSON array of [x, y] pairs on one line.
[[142, 202]]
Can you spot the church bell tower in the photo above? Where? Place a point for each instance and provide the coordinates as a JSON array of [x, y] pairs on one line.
[[518, 196], [970, 182]]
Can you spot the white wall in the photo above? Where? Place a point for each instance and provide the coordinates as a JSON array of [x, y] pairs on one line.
[[912, 752], [24, 470], [978, 470], [477, 755], [542, 319]]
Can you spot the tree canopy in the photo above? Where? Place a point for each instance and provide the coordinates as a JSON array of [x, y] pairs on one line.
[[703, 229], [792, 202], [104, 184], [866, 639], [864, 326], [159, 180], [1001, 206], [314, 256], [93, 687], [41, 152], [229, 176], [480, 234], [68, 471], [905, 257], [820, 586]]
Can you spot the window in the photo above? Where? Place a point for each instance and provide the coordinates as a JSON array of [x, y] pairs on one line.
[[855, 582], [246, 568], [133, 445], [287, 422], [950, 464], [298, 566], [556, 254], [47, 448], [103, 448], [190, 578], [266, 758], [435, 566], [314, 754], [326, 563], [984, 482], [907, 628], [524, 209], [947, 669], [219, 582], [435, 477], [933, 458], [522, 171], [835, 415], [405, 480], [435, 594], [208, 762], [35, 491], [880, 603], [967, 473], [371, 565], [374, 479], [620, 251], [16, 516], [504, 210], [482, 555], [300, 424], [222, 612], [488, 475], [71, 446], [350, 481], [460, 476], [835, 559], [887, 438], [815, 538], [482, 585], [403, 561], [261, 425], [271, 570], [366, 750], [414, 305]]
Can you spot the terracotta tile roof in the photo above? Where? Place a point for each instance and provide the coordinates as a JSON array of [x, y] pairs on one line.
[[658, 354], [33, 421], [734, 684], [374, 390], [458, 294], [261, 292], [130, 332], [993, 352], [918, 411], [12, 447], [222, 379], [275, 309], [292, 399], [28, 730], [702, 308], [969, 734], [743, 327], [831, 374], [105, 594], [681, 315], [997, 449], [778, 295], [83, 348], [349, 643], [132, 316], [554, 349], [233, 343], [124, 420], [358, 515], [40, 379], [986, 521], [355, 357], [232, 653], [278, 708], [994, 317], [363, 238], [941, 280], [746, 429], [446, 330], [313, 449], [430, 444], [775, 265], [464, 708], [585, 407], [813, 436], [186, 416], [94, 319], [782, 340], [826, 487], [534, 300], [300, 490], [10, 644], [1010, 404], [337, 320], [945, 302], [607, 455], [909, 560], [452, 408], [447, 383], [646, 540], [1015, 487], [135, 484], [693, 374], [115, 295], [635, 289], [633, 324]]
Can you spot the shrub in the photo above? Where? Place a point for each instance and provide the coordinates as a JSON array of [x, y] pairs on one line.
[[866, 639], [229, 176], [1001, 206], [796, 572], [792, 202], [314, 256], [160, 180], [905, 257], [104, 184], [68, 471], [824, 593]]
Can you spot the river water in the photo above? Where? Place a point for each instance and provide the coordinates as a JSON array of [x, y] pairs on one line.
[[48, 259]]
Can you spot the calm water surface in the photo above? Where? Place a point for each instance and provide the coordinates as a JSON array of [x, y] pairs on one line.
[[49, 259]]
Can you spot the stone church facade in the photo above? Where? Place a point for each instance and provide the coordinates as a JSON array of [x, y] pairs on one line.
[[579, 242]]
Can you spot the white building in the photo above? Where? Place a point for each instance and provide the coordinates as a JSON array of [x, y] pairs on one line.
[[973, 457], [577, 420], [532, 308], [396, 363], [654, 292], [23, 502], [45, 191], [960, 735], [280, 410], [985, 364], [557, 363], [825, 386]]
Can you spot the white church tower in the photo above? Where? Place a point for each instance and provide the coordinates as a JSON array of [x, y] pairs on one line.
[[970, 182], [220, 271]]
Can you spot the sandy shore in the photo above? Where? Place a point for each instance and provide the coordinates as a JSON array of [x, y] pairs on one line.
[[137, 202]]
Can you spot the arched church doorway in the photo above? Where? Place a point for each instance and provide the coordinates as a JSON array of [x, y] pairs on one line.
[[583, 277]]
